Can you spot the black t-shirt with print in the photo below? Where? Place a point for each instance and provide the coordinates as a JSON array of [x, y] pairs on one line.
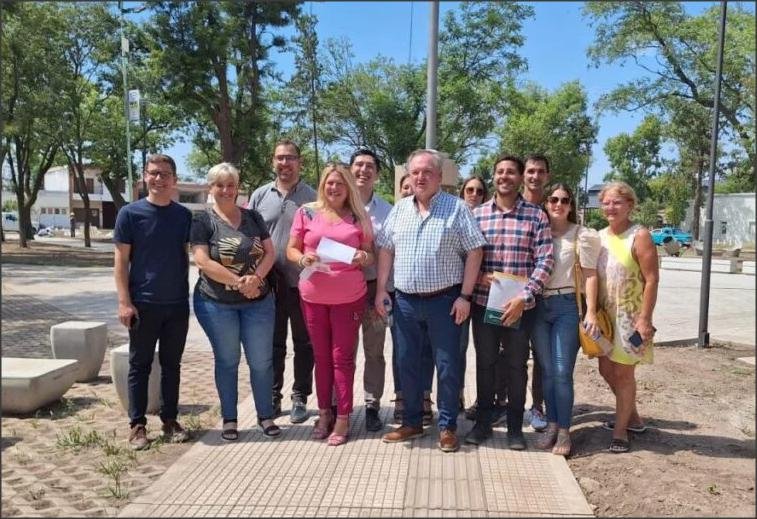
[[239, 250]]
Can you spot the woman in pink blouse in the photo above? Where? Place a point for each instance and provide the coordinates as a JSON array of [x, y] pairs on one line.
[[333, 298]]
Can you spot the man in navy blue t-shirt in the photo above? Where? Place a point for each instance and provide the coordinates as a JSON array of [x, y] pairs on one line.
[[152, 280]]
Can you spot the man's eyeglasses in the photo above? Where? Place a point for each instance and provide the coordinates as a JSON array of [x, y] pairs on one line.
[[470, 190], [284, 158], [564, 200], [159, 174]]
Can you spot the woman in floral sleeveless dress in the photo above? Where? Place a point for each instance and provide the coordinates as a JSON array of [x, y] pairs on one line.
[[628, 278]]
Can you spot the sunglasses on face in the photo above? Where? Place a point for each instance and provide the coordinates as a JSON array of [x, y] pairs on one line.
[[470, 190], [564, 200]]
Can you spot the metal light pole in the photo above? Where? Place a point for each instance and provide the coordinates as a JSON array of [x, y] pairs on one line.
[[433, 65], [124, 64], [704, 295]]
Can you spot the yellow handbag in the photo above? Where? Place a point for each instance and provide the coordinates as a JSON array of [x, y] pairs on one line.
[[591, 346]]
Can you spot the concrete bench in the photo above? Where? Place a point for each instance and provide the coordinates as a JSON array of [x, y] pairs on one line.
[[28, 384], [747, 267], [727, 266], [119, 371], [85, 341]]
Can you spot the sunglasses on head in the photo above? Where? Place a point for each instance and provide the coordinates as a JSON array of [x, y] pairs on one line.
[[564, 200], [470, 190]]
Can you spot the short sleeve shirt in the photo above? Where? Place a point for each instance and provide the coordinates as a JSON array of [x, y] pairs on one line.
[[239, 250], [158, 261], [429, 251], [589, 245], [277, 211], [344, 283]]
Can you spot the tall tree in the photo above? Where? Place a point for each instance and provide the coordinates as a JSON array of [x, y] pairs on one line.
[[29, 142], [382, 104], [90, 31], [304, 90], [215, 59], [479, 60], [635, 158], [555, 124], [677, 52]]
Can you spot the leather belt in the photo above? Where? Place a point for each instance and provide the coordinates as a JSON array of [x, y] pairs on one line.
[[548, 292], [427, 295]]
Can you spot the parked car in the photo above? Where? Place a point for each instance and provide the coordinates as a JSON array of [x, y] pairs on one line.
[[10, 222], [659, 236]]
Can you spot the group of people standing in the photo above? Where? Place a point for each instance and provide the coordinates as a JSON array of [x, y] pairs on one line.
[[423, 267]]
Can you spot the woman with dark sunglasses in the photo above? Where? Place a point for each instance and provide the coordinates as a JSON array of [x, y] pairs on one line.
[[555, 331], [473, 192]]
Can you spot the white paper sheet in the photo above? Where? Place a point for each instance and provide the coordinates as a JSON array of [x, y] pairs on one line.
[[315, 267], [503, 288], [331, 251]]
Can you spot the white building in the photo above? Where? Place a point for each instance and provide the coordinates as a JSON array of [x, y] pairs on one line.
[[58, 199], [733, 219]]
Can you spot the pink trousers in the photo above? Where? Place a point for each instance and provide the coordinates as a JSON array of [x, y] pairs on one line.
[[333, 331]]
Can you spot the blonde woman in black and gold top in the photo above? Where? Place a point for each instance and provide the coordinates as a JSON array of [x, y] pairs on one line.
[[233, 300]]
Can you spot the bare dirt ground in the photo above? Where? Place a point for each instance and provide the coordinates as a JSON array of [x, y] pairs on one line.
[[697, 458]]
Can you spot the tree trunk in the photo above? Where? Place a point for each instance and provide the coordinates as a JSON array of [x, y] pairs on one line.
[[81, 187], [112, 186]]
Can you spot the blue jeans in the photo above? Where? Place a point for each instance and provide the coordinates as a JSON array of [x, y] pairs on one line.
[[427, 319], [555, 337], [250, 324], [427, 370]]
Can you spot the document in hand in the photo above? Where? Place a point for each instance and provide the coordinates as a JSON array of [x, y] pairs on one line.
[[331, 251], [503, 288]]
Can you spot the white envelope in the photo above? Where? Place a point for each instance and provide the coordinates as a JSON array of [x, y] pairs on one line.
[[331, 251]]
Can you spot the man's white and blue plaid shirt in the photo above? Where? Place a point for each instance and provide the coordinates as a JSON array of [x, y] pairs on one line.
[[429, 253]]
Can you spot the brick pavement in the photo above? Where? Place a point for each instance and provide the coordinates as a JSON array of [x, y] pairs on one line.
[[295, 476]]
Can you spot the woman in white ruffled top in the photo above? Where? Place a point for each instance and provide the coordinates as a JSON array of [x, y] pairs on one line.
[[555, 331]]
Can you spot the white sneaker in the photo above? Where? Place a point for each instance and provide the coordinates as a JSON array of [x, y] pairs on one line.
[[538, 423]]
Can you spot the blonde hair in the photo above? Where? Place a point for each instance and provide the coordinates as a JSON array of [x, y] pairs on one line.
[[222, 170], [622, 189], [354, 202]]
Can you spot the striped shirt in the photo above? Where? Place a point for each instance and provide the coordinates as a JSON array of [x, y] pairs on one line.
[[429, 252], [519, 242]]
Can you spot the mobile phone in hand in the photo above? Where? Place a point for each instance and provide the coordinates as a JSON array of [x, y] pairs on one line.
[[635, 339]]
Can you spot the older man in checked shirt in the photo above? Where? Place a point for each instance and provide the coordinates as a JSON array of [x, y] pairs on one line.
[[519, 242], [434, 244]]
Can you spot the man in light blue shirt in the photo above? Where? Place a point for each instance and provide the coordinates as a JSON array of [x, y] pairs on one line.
[[435, 246], [364, 166]]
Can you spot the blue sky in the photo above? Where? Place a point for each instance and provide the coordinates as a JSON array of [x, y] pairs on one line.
[[556, 41]]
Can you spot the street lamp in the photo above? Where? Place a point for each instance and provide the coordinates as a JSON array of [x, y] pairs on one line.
[[124, 64]]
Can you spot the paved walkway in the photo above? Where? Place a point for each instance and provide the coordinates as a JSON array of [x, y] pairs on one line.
[[295, 476]]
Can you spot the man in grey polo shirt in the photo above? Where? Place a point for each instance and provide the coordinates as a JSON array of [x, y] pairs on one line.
[[364, 165], [276, 202]]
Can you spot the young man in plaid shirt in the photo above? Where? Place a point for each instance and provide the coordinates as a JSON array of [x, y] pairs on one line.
[[519, 242]]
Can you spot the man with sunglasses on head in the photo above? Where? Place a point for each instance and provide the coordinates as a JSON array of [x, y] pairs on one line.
[[276, 202], [519, 243], [536, 176], [151, 270]]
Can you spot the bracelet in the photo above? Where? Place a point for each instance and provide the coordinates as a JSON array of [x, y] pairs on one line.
[[301, 261]]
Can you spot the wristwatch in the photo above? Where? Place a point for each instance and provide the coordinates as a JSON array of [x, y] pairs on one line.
[[466, 297]]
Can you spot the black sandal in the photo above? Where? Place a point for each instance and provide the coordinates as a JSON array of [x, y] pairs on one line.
[[272, 430], [229, 431], [619, 446]]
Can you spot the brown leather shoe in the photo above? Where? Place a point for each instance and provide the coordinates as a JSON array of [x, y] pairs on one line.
[[448, 441], [402, 434]]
